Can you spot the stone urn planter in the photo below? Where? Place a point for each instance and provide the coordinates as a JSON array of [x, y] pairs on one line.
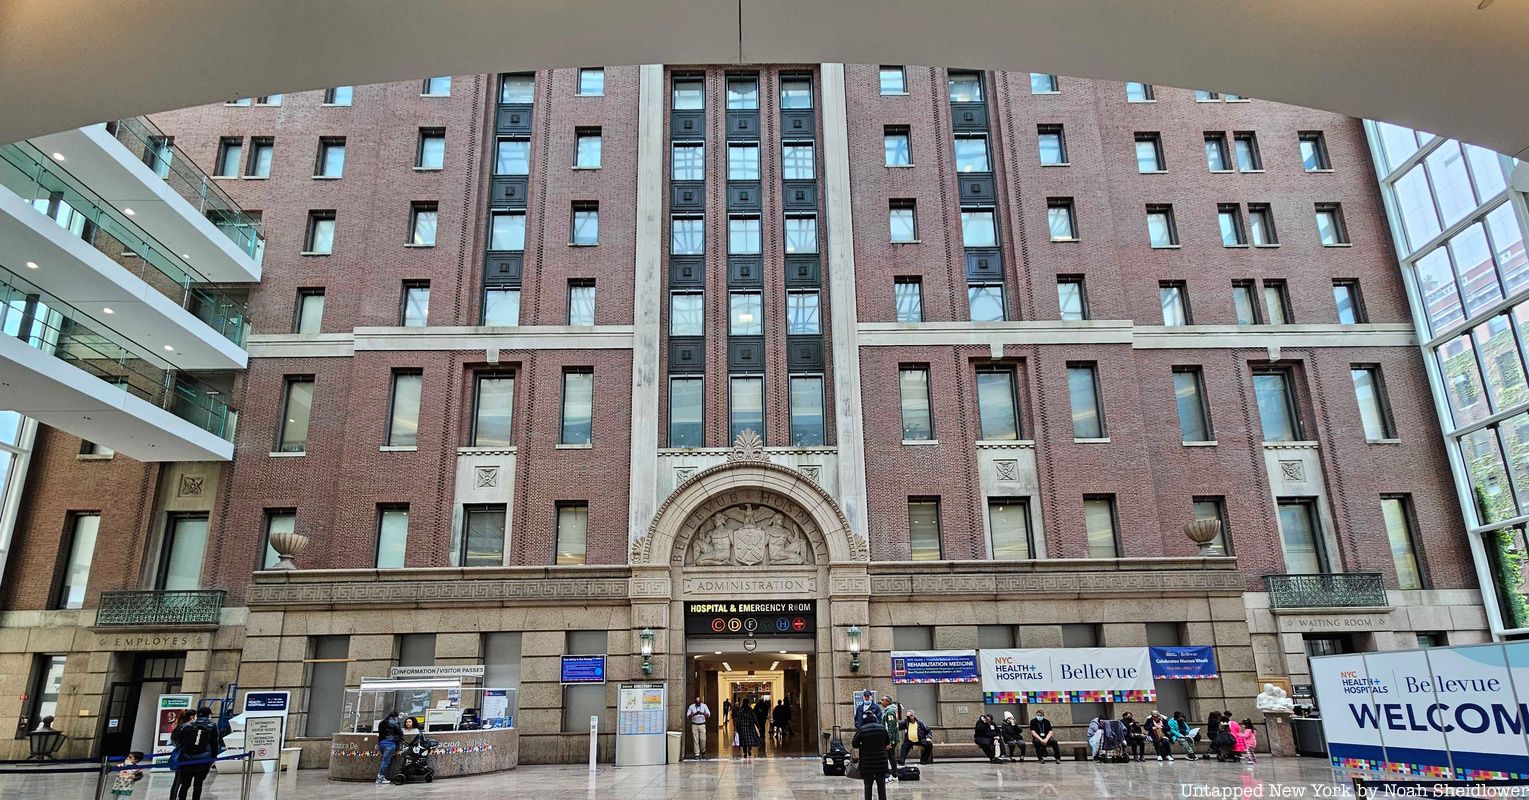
[[1202, 532], [288, 545]]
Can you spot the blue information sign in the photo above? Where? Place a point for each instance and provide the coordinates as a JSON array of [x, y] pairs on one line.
[[583, 669], [268, 702], [1183, 663]]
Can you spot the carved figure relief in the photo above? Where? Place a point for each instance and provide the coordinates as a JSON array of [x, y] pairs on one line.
[[748, 535], [190, 486]]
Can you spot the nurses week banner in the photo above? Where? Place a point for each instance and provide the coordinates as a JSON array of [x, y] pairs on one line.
[[1068, 675], [934, 666], [1183, 662]]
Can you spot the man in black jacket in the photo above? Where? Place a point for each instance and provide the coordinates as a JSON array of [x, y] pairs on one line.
[[1043, 736], [389, 737], [916, 734], [199, 743]]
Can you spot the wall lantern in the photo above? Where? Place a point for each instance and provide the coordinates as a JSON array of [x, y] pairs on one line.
[[647, 650], [853, 635]]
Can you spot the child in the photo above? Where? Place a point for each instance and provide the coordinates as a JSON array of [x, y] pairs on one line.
[[1247, 743], [122, 786]]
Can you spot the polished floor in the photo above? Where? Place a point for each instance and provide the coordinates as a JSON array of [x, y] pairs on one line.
[[770, 779]]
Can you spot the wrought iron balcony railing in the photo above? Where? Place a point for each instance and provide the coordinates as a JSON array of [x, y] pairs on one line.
[[1326, 590], [187, 607]]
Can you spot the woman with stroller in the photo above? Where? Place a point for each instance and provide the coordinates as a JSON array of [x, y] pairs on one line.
[[1228, 740]]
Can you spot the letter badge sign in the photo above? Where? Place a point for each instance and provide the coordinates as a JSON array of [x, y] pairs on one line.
[[1068, 675]]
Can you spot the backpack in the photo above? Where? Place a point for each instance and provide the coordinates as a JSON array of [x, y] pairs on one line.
[[197, 739], [907, 773]]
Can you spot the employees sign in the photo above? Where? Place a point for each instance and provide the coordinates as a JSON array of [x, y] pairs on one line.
[[1068, 675]]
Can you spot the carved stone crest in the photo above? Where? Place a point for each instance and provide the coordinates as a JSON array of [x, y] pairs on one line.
[[1008, 469], [749, 536], [190, 486], [487, 477], [682, 474], [1293, 470], [748, 447], [814, 472]]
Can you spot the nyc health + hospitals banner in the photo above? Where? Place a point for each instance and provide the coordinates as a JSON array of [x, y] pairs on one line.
[[1068, 675]]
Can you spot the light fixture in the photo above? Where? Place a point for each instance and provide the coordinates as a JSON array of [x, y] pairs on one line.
[[170, 347], [647, 650], [186, 255], [773, 665], [107, 311], [782, 652], [852, 633], [717, 652], [727, 666], [127, 211], [31, 265], [58, 156]]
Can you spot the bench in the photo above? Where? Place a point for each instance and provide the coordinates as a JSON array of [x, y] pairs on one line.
[[968, 750]]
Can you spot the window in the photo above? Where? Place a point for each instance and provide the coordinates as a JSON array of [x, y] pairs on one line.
[[1246, 145], [331, 162], [1261, 225], [996, 409], [1061, 220], [965, 87], [578, 406], [1099, 525], [230, 153], [339, 96], [591, 82], [746, 314], [1041, 83], [422, 221], [1194, 414], [1161, 231], [895, 141], [801, 233], [913, 384], [493, 409], [180, 568], [908, 299], [1215, 508], [1139, 92], [261, 149], [1202, 96], [1276, 302], [243, 101], [1330, 227], [971, 154], [1246, 306], [1229, 217], [437, 87], [1174, 298], [1350, 305], [686, 401], [797, 162], [1314, 152], [297, 408], [483, 542], [1216, 156], [518, 89], [1009, 528], [320, 239], [742, 93], [795, 93], [802, 313], [902, 222], [512, 157], [47, 682], [501, 306], [586, 149], [985, 303], [416, 304], [1276, 406], [507, 230], [1397, 511], [687, 236], [1300, 538], [276, 521], [403, 413], [807, 411], [1149, 152], [689, 94], [1083, 393], [745, 406], [977, 228], [1053, 147], [894, 80], [87, 448], [688, 161], [1072, 298], [581, 302], [924, 529], [687, 315], [159, 154], [1374, 408], [743, 161], [585, 230], [392, 536], [309, 317], [74, 574], [432, 149], [572, 533]]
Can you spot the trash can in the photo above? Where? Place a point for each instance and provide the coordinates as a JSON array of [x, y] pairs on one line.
[[676, 746]]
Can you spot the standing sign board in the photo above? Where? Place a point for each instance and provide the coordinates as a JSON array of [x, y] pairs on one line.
[[1068, 675], [935, 666], [640, 725], [263, 737], [170, 706]]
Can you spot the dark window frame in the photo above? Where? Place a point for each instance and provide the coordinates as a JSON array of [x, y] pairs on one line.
[[477, 393], [393, 376], [167, 544], [1198, 373], [286, 400]]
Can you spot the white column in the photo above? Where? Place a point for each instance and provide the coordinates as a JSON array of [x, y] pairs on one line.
[[647, 300], [841, 305]]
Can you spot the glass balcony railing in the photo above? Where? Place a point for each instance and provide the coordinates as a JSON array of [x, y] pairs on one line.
[[46, 324], [56, 194], [146, 141]]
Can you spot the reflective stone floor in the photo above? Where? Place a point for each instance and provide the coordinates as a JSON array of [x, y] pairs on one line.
[[775, 779]]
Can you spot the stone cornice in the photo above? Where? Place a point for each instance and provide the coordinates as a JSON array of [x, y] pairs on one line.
[[1055, 332], [530, 337]]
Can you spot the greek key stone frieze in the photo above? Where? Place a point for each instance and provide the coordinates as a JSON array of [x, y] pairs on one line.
[[426, 592]]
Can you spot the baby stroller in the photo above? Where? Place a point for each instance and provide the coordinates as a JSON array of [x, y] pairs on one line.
[[416, 761]]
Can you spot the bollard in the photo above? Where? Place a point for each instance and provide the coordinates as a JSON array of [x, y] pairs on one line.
[[594, 740], [248, 778]]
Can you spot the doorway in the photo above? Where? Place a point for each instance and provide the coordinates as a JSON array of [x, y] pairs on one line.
[[131, 719], [776, 689]]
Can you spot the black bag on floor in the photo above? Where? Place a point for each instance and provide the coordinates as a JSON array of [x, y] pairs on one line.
[[907, 773]]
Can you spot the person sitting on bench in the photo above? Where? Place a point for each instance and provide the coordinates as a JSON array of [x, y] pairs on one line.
[[917, 735], [1043, 736], [1011, 736], [985, 734]]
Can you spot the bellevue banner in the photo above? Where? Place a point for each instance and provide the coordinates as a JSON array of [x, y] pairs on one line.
[[1183, 663], [1068, 675], [934, 666], [1449, 712]]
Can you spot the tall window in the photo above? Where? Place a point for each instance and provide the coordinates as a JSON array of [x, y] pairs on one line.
[[572, 533], [47, 683], [996, 408], [581, 302], [686, 401], [1216, 156], [578, 406], [310, 311], [432, 149], [1173, 296], [797, 161], [1215, 508], [1261, 224], [331, 162], [507, 230], [1350, 305], [1072, 298], [745, 406], [1061, 220], [261, 150], [742, 93], [1314, 152], [984, 302], [1374, 409], [977, 228], [416, 304], [1149, 152], [437, 87], [1330, 228], [483, 531], [743, 161], [392, 536], [971, 153], [1248, 158], [75, 572], [913, 385], [1099, 525], [807, 411], [1397, 511], [1042, 83], [1161, 232], [586, 148], [746, 312], [1301, 537], [1008, 520], [1229, 217], [1083, 392], [297, 407], [1189, 395], [591, 82], [1053, 146], [802, 317], [276, 521], [901, 221], [512, 157], [895, 142], [1245, 302], [422, 222], [687, 161], [894, 80], [795, 93], [180, 567], [743, 235], [1139, 92], [585, 228], [687, 314], [687, 236], [339, 96], [517, 89], [320, 239], [1276, 406], [1276, 302], [230, 153], [403, 416], [908, 299], [493, 409], [501, 306], [965, 87], [924, 528], [802, 233]]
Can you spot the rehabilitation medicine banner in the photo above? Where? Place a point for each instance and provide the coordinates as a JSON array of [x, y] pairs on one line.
[[934, 666], [1068, 675]]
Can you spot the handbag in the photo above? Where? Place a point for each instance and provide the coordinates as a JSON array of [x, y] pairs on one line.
[[174, 763], [852, 769], [735, 739]]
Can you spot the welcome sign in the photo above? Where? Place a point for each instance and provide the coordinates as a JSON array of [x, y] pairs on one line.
[[1448, 713], [1068, 675]]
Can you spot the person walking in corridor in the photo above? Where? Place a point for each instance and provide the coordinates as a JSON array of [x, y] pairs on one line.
[[698, 714], [746, 728]]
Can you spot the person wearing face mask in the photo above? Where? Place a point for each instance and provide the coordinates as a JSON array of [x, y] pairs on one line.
[[1043, 736]]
